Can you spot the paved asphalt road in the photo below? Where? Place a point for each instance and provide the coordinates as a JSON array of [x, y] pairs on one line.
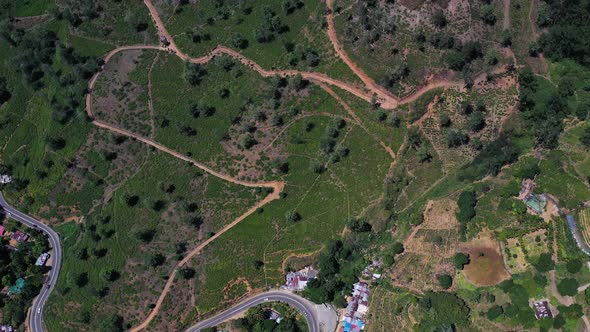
[[36, 314], [299, 303]]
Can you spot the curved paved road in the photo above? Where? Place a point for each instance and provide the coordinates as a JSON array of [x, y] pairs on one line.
[[35, 319], [299, 303]]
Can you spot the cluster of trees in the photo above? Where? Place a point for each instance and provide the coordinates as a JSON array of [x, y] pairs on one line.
[[4, 91], [193, 73], [328, 144], [257, 319], [491, 159], [374, 21], [460, 260], [544, 114], [358, 226], [443, 311], [568, 28], [21, 264], [339, 267], [466, 202], [271, 24]]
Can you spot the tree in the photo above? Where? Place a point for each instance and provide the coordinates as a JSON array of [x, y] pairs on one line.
[[495, 312], [157, 260], [193, 73], [460, 260], [238, 41], [488, 14], [397, 248], [545, 263], [4, 92], [456, 138], [358, 226], [292, 216], [574, 265], [258, 264], [444, 120], [110, 275], [146, 236], [187, 273], [466, 202], [111, 323], [568, 287], [476, 121], [585, 137], [445, 281], [438, 19]]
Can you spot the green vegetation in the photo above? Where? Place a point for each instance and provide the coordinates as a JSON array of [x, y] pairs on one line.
[[18, 266]]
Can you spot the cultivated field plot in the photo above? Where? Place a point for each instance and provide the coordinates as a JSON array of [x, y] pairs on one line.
[[429, 248], [583, 221], [391, 310]]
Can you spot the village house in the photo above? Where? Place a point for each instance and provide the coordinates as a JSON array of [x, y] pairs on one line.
[[17, 288], [19, 236], [536, 204], [5, 178], [542, 310], [358, 305], [6, 328], [42, 259], [296, 281]]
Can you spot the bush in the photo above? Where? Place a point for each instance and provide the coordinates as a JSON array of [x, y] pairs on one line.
[[568, 287]]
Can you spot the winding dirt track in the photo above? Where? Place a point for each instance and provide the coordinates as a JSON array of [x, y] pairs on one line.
[[386, 99]]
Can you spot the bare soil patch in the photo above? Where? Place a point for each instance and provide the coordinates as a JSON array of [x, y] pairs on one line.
[[487, 265]]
